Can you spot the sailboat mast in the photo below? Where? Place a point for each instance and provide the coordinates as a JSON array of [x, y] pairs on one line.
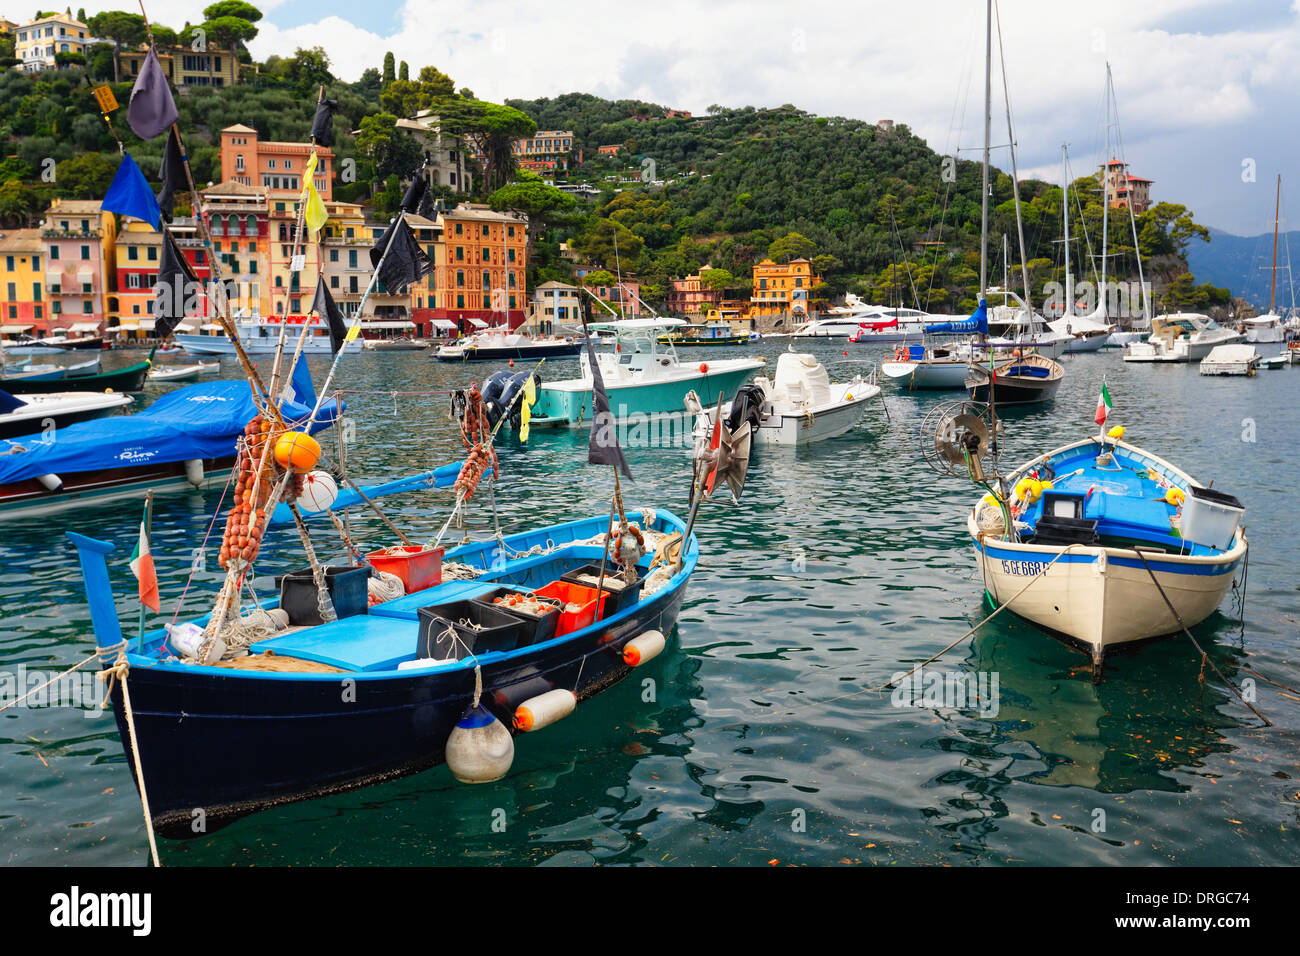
[[1277, 213], [1065, 216], [1105, 209], [988, 124]]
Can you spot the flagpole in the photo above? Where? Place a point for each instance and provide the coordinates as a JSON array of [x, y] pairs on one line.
[[214, 268], [148, 525], [356, 324]]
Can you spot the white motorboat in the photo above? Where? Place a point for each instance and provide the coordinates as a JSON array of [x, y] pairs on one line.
[[798, 406], [1180, 337], [402, 344], [1236, 359], [183, 373], [643, 378], [28, 414], [499, 343], [1267, 328], [261, 336]]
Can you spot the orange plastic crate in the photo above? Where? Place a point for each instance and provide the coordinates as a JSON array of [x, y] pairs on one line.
[[418, 568], [567, 593]]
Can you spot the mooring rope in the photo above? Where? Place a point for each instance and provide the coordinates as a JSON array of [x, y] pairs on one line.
[[96, 655], [118, 672]]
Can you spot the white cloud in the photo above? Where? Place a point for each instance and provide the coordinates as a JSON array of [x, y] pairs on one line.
[[1193, 101]]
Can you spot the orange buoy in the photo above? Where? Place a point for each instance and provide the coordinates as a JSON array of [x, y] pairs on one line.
[[297, 451], [846, 351], [512, 363], [704, 368]]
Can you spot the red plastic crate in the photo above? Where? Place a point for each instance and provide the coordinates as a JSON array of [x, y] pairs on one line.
[[417, 567], [567, 593]]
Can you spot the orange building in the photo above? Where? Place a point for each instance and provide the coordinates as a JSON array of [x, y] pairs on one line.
[[781, 290], [480, 258], [275, 167], [1123, 189]]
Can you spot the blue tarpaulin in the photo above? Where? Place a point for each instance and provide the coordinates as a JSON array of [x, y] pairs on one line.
[[198, 421], [978, 323]]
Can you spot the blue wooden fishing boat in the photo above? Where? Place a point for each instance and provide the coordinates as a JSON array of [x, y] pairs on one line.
[[218, 742]]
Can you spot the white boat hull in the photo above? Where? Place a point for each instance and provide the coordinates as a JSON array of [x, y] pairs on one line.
[[1103, 597], [926, 374]]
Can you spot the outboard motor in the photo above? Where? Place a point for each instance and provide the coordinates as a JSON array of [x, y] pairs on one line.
[[499, 390], [747, 406]]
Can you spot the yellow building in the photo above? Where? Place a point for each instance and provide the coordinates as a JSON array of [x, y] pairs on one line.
[[184, 66], [782, 290], [345, 243], [23, 303], [292, 294], [37, 42]]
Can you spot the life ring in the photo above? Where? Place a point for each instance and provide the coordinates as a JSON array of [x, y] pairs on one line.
[[900, 353]]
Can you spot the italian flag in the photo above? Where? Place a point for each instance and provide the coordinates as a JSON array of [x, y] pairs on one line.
[[1103, 405], [142, 568]]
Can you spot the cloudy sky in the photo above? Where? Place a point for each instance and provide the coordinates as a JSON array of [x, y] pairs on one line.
[[1206, 88]]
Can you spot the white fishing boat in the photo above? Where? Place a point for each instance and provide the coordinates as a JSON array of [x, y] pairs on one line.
[[1231, 360], [1106, 544], [798, 406], [1180, 337], [183, 373]]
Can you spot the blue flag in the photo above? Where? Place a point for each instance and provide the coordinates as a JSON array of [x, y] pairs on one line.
[[130, 193]]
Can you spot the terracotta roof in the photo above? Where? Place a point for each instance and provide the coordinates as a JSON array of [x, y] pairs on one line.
[[239, 128], [20, 240], [232, 188], [74, 207]]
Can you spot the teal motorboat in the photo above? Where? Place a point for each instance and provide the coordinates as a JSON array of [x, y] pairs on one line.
[[642, 375]]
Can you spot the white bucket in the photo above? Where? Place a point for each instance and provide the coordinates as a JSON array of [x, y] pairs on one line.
[[1211, 517]]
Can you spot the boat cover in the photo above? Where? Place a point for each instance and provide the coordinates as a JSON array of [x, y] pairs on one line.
[[198, 421], [977, 323]]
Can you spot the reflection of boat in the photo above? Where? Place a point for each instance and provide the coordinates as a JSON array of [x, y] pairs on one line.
[[183, 439], [641, 377], [234, 738], [1079, 513], [22, 416], [800, 405], [1180, 337]]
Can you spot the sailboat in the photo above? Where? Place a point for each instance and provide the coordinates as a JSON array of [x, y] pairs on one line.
[[1271, 327], [1027, 377], [1087, 333]]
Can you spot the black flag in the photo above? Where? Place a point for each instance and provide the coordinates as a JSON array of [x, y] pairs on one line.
[[173, 175], [322, 127], [602, 446], [416, 193], [324, 305], [177, 285], [403, 260]]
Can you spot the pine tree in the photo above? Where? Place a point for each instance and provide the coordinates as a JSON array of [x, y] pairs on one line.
[[390, 72]]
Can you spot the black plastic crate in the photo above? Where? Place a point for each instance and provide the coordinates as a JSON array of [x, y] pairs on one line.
[[347, 588], [486, 629], [1055, 529], [621, 593], [537, 628]]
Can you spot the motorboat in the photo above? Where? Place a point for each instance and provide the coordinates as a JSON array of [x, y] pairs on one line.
[[500, 343], [799, 405], [710, 333], [261, 336], [402, 344], [53, 410], [642, 377], [183, 373], [1180, 337], [1265, 329], [929, 365]]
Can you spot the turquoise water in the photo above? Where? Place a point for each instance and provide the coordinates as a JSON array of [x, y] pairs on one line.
[[760, 736]]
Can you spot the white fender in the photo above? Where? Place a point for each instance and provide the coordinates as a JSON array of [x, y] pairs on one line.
[[642, 648], [51, 482], [544, 709], [194, 472]]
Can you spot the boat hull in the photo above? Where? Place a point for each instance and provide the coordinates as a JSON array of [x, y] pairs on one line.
[[496, 353], [1102, 597], [572, 406], [1010, 389], [129, 379], [936, 375]]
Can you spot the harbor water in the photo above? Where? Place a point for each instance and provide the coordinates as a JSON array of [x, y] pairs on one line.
[[759, 736]]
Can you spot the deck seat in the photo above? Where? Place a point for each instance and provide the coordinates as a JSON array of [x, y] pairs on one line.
[[359, 643], [404, 608]]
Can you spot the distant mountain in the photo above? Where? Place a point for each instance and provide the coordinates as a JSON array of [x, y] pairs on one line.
[[1243, 264]]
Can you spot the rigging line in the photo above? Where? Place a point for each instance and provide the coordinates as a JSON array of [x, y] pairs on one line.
[[1087, 242], [899, 239]]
